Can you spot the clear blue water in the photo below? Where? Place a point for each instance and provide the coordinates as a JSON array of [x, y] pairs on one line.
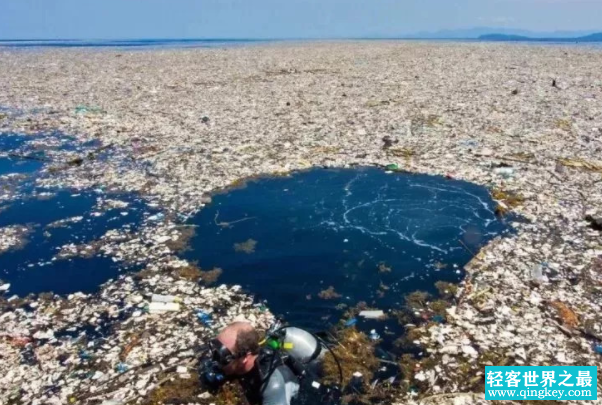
[[32, 268], [354, 229]]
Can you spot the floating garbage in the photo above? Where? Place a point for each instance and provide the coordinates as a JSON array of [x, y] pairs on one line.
[[373, 335], [372, 314], [165, 298], [83, 109], [162, 307], [204, 318], [537, 276], [351, 322], [247, 142], [438, 318], [157, 217], [505, 172], [122, 368], [84, 355], [4, 287]]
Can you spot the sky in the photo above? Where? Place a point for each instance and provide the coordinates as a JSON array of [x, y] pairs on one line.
[[127, 19]]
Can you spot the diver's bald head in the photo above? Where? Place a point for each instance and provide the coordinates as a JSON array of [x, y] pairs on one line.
[[240, 337], [242, 340]]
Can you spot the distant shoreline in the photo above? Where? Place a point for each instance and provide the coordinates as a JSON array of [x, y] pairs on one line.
[[593, 38]]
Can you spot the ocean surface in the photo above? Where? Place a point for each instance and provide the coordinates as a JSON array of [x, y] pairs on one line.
[[362, 234], [310, 245], [57, 217], [133, 44]]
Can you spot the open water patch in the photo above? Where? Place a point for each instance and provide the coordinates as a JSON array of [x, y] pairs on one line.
[[320, 241], [56, 232], [66, 218]]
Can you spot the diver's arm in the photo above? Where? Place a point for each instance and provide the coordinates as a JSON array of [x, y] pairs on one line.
[[281, 387]]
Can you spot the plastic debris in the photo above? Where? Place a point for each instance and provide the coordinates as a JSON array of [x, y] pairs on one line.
[[84, 355], [4, 287], [373, 335], [506, 172], [165, 298], [159, 147], [350, 322], [122, 367], [438, 318], [204, 318], [162, 307], [82, 109], [376, 314], [157, 217], [537, 276]]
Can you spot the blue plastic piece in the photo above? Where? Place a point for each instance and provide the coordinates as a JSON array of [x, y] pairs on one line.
[[84, 355], [204, 318], [438, 318], [351, 322]]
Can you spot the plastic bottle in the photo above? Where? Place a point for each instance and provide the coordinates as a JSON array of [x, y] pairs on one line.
[[537, 277]]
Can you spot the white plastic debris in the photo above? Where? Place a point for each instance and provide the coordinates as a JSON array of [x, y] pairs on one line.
[[537, 276], [162, 307], [470, 351], [165, 298], [505, 172], [420, 376], [372, 314], [44, 334]]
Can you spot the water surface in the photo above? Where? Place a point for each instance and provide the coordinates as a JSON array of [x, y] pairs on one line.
[[370, 235]]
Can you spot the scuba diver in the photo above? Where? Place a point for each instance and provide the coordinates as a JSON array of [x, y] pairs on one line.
[[284, 367]]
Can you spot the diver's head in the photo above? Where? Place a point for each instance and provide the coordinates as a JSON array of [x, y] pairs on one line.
[[236, 348]]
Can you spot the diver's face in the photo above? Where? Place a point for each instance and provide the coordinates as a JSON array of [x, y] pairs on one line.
[[236, 367]]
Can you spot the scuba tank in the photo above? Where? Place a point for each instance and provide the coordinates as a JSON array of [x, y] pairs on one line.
[[303, 346], [295, 359]]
